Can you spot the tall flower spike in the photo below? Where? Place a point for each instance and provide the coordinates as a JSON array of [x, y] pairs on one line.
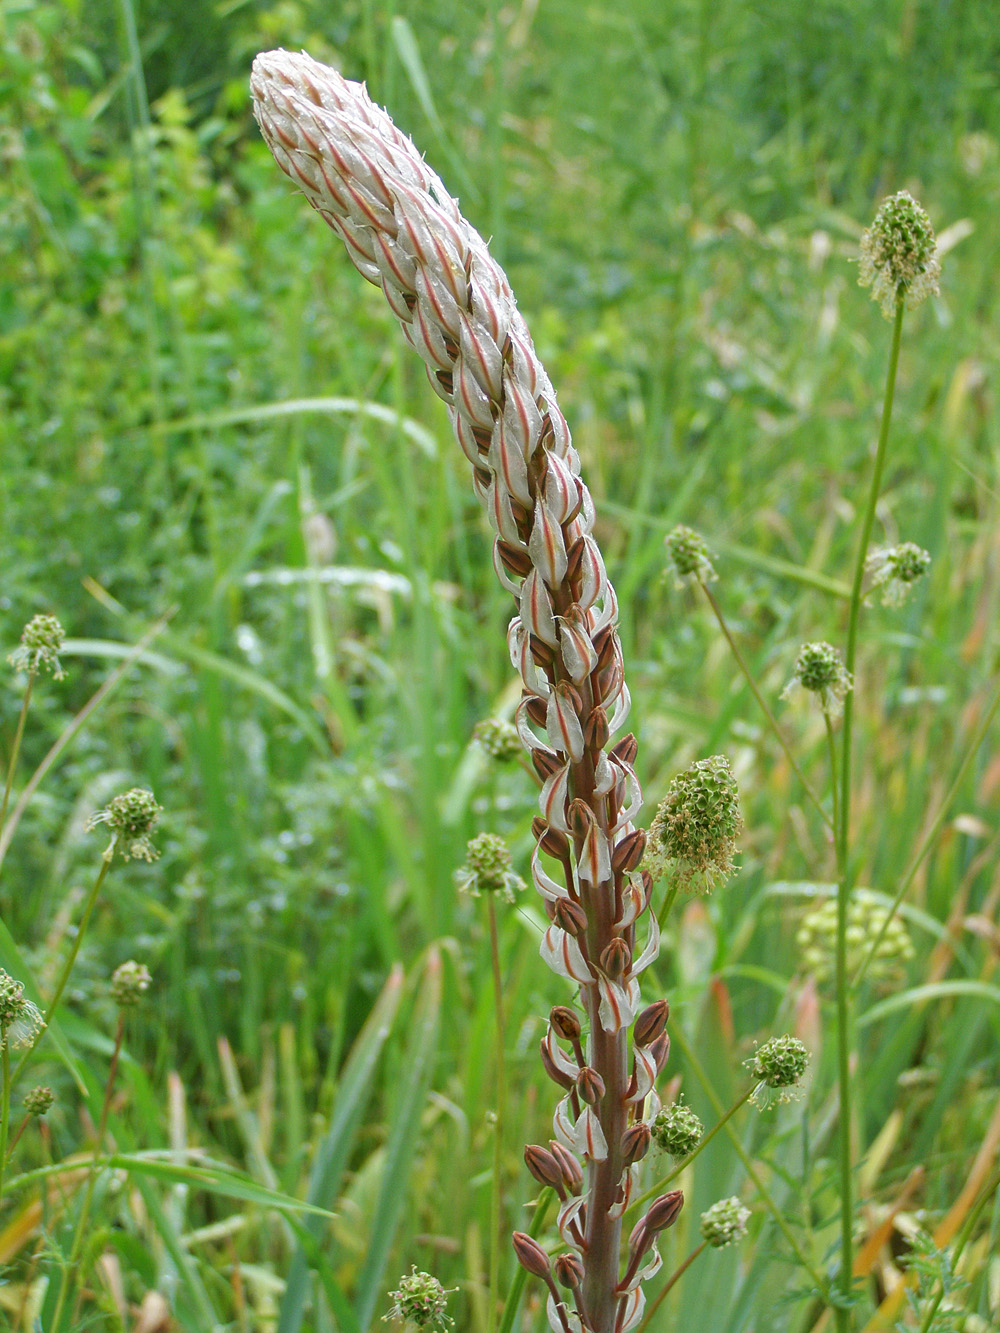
[[405, 233]]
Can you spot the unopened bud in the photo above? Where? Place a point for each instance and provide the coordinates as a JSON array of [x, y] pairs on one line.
[[573, 557], [568, 1270], [590, 1085], [549, 839], [628, 852], [660, 1051], [565, 1023], [570, 917], [664, 1211], [596, 731], [545, 763], [651, 1023], [579, 816], [554, 1073], [537, 711], [530, 1255], [635, 1143], [616, 959], [543, 1166], [606, 648], [571, 1168], [516, 559], [626, 749], [541, 653]]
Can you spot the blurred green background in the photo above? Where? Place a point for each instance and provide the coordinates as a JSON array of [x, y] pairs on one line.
[[676, 191]]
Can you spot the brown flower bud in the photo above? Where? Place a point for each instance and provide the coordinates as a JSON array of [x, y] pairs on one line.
[[570, 916], [556, 1075], [660, 1050], [628, 852], [595, 731], [664, 1212], [604, 646], [536, 710], [530, 1255], [568, 1270], [635, 1143], [651, 1023], [573, 557], [515, 559], [616, 959], [541, 653], [545, 763], [565, 1023], [647, 887], [590, 1085], [549, 839], [543, 1166], [571, 1168], [579, 816], [626, 749]]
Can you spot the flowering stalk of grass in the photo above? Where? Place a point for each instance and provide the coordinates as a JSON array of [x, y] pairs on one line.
[[405, 233]]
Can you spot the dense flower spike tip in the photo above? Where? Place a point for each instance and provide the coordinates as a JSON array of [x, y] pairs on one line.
[[866, 921], [688, 557], [405, 233], [129, 982], [41, 643], [725, 1222], [488, 868], [421, 1300], [899, 255], [693, 835], [895, 569], [498, 738], [20, 1020], [38, 1101], [819, 668], [677, 1130], [778, 1065], [132, 818]]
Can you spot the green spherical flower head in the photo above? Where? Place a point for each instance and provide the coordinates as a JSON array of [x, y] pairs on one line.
[[895, 569], [778, 1065], [20, 1021], [819, 668], [677, 1130], [688, 557], [499, 739], [725, 1222], [41, 642], [38, 1101], [128, 984], [131, 817], [693, 835], [422, 1300], [488, 868], [866, 918], [899, 255]]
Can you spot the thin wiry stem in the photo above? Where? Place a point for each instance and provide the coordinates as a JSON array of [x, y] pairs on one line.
[[764, 706], [513, 1301], [843, 1313], [4, 1105], [496, 1196]]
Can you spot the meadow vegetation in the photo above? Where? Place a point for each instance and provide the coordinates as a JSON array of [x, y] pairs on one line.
[[223, 472]]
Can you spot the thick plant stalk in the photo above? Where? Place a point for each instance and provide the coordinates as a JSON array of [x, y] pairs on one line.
[[405, 233]]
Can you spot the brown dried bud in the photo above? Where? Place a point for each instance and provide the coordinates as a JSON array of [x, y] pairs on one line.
[[549, 839], [570, 917], [573, 557], [628, 851], [590, 1085], [626, 749], [568, 1270], [651, 1023], [604, 645], [635, 1143], [537, 711], [660, 1050], [571, 1168], [530, 1255], [579, 816], [616, 959], [545, 763], [664, 1212], [541, 653], [543, 1166], [595, 731], [555, 1074], [647, 887], [515, 559], [565, 1023]]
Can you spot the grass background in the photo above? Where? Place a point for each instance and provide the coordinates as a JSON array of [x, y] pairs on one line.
[[677, 192]]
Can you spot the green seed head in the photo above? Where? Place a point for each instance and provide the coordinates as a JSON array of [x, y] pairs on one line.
[[422, 1300], [41, 642], [688, 557], [128, 984], [725, 1222], [677, 1130], [693, 835], [20, 1021], [820, 669], [488, 868], [895, 569], [131, 817], [899, 255], [778, 1065], [38, 1100], [866, 916], [499, 739]]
